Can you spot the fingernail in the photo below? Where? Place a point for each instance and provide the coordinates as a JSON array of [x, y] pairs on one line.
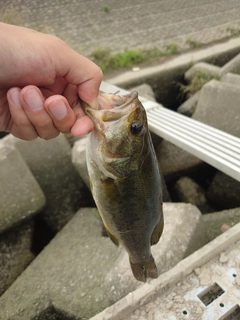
[[58, 109], [33, 100], [14, 94]]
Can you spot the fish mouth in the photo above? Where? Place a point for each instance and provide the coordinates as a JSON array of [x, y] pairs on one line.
[[112, 107]]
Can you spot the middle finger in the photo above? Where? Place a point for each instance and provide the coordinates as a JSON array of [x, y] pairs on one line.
[[32, 103]]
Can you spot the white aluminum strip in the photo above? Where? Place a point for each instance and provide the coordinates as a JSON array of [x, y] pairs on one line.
[[191, 127], [216, 147]]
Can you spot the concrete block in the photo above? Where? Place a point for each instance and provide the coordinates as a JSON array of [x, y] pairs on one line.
[[232, 66], [77, 274], [188, 191], [188, 107], [50, 162], [145, 90], [20, 196], [202, 67], [218, 106], [224, 191], [231, 78], [214, 221], [174, 162], [15, 253]]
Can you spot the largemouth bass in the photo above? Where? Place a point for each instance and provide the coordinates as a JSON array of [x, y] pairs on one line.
[[124, 178]]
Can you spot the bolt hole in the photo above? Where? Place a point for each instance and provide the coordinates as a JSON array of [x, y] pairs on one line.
[[185, 312], [234, 275], [221, 305]]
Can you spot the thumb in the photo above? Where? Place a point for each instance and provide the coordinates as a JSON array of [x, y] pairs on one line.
[[80, 71]]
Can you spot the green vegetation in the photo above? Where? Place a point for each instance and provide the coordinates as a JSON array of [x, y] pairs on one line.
[[129, 58], [193, 43], [233, 31], [106, 8], [172, 49], [199, 80]]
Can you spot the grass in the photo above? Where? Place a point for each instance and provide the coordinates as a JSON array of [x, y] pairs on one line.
[[199, 80], [130, 57], [106, 8], [193, 43], [233, 31]]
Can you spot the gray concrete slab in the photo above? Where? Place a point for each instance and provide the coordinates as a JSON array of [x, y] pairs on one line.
[[218, 106], [51, 165], [21, 196]]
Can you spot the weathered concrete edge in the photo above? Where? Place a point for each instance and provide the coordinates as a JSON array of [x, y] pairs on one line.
[[184, 61], [121, 309]]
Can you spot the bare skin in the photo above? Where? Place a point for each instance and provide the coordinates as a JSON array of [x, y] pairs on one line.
[[40, 81]]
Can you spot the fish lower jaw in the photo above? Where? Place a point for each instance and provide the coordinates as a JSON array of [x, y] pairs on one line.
[[145, 269]]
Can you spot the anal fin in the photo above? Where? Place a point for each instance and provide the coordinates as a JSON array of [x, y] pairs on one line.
[[157, 232], [111, 236]]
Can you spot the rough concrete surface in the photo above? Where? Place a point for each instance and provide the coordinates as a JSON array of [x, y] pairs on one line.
[[189, 106], [232, 66], [15, 253], [79, 273], [218, 106], [21, 195], [167, 153], [202, 67], [93, 24], [50, 162], [224, 191], [188, 191], [214, 221], [231, 78]]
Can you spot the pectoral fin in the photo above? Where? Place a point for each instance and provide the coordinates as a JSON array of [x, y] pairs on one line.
[[157, 232]]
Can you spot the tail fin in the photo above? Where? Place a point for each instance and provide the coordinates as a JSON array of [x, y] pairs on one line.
[[144, 270]]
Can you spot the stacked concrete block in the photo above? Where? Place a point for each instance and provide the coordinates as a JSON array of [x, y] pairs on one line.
[[15, 253], [231, 78], [232, 66], [188, 191], [189, 106], [202, 67], [20, 195], [216, 221], [224, 191], [50, 163], [79, 272], [20, 199], [174, 162], [218, 106]]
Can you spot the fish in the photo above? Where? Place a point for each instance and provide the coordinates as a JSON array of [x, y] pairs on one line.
[[124, 178]]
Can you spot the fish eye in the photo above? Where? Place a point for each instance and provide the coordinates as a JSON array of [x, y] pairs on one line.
[[136, 128]]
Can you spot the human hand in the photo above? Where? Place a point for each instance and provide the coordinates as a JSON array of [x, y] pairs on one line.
[[41, 81]]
